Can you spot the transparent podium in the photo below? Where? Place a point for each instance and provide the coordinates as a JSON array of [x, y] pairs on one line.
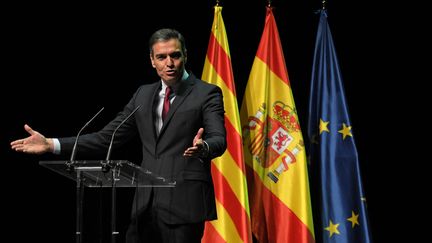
[[103, 173]]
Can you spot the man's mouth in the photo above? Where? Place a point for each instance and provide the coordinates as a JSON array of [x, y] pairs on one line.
[[170, 72]]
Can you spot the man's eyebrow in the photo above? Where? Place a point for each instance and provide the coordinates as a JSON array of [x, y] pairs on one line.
[[176, 54]]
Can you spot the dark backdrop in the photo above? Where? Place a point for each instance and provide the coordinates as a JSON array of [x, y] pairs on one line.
[[64, 61]]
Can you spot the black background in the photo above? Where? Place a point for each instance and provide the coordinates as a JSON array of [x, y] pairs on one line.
[[62, 62]]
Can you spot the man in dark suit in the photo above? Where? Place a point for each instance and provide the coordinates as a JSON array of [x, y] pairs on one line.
[[181, 126]]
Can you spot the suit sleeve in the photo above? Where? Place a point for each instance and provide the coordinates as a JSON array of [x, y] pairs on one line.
[[97, 143], [214, 123]]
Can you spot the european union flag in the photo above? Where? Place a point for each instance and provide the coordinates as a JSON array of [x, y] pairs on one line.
[[332, 149]]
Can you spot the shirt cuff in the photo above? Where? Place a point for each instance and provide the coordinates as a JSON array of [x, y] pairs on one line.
[[57, 146], [206, 151]]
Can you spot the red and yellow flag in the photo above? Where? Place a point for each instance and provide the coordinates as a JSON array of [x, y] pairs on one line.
[[228, 171], [274, 148]]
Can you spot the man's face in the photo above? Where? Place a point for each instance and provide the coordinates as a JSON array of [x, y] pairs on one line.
[[168, 60]]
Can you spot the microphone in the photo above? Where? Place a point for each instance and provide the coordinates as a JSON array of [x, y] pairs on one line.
[[76, 139], [112, 137]]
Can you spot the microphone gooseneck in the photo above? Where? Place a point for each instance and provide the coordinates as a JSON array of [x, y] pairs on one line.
[[72, 158], [112, 137]]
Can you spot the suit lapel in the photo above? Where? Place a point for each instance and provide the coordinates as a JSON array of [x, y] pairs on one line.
[[151, 117], [181, 94]]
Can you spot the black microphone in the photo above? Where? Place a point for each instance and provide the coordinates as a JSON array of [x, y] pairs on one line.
[[112, 137], [76, 139]]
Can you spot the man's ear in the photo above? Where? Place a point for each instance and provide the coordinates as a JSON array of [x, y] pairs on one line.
[[152, 61]]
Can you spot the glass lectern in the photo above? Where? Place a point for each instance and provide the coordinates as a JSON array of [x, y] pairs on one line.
[[103, 173]]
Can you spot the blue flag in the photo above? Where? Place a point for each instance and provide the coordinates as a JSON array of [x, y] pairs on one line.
[[333, 152]]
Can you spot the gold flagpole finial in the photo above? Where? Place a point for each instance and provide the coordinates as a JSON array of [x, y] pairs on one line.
[[324, 2], [269, 3]]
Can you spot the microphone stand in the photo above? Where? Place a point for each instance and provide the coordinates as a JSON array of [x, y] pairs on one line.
[[79, 185], [79, 209], [114, 170], [114, 231]]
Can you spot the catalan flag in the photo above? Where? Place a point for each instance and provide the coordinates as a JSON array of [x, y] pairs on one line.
[[228, 171], [274, 148], [333, 152]]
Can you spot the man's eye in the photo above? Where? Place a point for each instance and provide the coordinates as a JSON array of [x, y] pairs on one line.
[[160, 57], [176, 55]]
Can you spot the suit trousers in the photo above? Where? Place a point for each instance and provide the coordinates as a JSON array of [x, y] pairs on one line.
[[149, 228]]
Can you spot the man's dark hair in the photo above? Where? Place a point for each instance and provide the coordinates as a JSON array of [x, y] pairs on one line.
[[165, 35]]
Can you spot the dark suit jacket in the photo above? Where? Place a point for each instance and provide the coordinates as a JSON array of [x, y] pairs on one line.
[[197, 104]]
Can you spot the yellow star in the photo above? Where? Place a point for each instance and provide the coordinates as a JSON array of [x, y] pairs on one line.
[[353, 219], [332, 228], [346, 130], [323, 126]]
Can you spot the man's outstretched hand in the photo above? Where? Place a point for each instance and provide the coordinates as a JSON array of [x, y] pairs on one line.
[[36, 143]]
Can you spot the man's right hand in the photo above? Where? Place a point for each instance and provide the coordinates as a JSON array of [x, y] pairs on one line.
[[197, 148], [36, 143]]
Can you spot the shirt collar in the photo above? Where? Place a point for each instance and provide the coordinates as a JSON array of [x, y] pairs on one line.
[[183, 78]]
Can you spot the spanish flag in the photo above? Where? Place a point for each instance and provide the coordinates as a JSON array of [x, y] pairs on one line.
[[274, 149], [228, 171]]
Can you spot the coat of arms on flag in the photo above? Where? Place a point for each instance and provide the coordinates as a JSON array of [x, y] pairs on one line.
[[276, 146]]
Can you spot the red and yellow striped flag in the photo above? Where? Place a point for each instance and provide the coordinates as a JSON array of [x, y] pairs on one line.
[[228, 171], [274, 149]]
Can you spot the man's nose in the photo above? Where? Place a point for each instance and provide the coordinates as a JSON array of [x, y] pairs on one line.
[[170, 61]]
